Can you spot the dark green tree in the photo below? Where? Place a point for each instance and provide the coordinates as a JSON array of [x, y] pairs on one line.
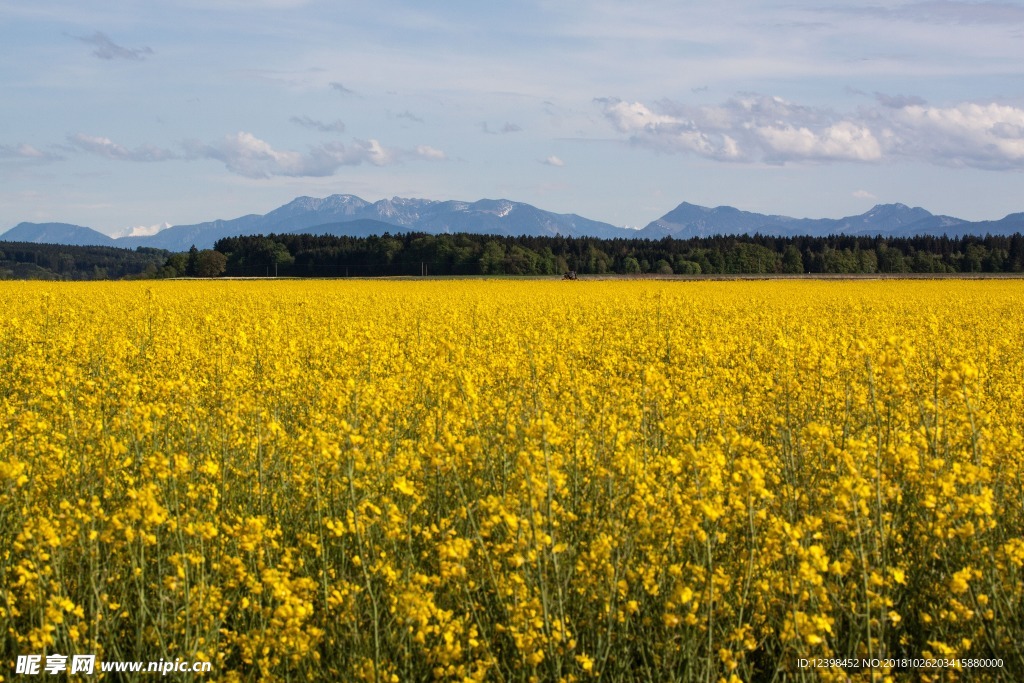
[[492, 261], [192, 262], [792, 261], [210, 263]]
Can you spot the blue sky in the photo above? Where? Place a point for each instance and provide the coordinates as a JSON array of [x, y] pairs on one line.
[[131, 114]]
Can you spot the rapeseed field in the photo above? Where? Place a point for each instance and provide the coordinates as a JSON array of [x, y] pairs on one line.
[[516, 481]]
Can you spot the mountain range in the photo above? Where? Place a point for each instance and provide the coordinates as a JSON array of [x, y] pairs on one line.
[[889, 220], [344, 214]]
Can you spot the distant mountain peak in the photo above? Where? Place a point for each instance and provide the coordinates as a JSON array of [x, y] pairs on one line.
[[331, 201], [57, 233], [889, 208]]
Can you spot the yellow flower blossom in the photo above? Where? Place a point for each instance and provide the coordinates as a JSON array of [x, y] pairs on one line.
[[511, 480]]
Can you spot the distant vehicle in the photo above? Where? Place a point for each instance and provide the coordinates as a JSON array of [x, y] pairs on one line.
[[571, 275]]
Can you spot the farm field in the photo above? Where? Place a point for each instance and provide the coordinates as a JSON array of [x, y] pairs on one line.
[[515, 481]]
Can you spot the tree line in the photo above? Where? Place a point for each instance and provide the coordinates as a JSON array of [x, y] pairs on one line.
[[470, 254], [31, 261]]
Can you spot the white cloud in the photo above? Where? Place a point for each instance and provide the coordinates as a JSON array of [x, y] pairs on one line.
[[841, 141], [702, 131], [630, 117], [978, 135], [554, 161], [249, 156], [863, 194], [430, 153], [142, 230], [108, 148], [772, 130], [26, 151], [363, 151]]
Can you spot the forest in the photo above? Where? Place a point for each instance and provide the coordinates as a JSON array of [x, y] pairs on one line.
[[31, 261], [467, 254], [415, 254]]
